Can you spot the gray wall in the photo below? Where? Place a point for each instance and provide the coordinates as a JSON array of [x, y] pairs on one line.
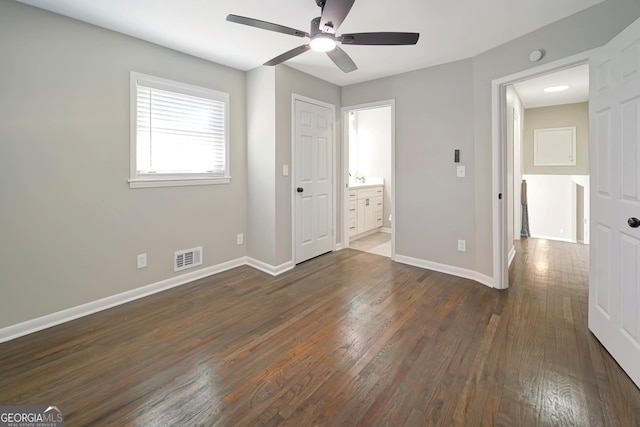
[[269, 114], [71, 227], [449, 106], [434, 115], [288, 82], [578, 33], [261, 169], [552, 117]]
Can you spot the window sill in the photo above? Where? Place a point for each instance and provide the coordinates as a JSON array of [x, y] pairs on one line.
[[177, 182]]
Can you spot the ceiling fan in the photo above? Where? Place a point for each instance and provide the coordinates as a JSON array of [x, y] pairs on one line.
[[323, 34]]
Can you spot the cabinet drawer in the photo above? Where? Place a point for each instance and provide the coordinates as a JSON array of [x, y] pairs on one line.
[[377, 203], [353, 230], [353, 194], [379, 219], [353, 209], [378, 191]]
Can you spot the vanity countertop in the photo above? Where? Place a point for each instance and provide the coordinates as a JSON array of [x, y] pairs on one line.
[[367, 184]]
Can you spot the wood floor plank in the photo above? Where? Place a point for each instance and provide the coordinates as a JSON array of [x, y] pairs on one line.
[[472, 400], [349, 338]]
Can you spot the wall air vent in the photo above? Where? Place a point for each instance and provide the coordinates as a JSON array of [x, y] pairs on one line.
[[187, 259]]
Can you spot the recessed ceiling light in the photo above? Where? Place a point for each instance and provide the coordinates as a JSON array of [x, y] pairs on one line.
[[559, 88]]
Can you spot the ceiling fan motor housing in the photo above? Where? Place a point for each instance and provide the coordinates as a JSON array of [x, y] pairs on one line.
[[315, 27]]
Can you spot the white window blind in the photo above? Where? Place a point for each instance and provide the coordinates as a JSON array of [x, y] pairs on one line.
[[180, 131]]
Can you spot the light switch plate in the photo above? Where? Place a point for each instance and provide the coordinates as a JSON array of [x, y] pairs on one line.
[[461, 171], [285, 170], [141, 261]]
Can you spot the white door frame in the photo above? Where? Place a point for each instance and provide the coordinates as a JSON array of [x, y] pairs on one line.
[[345, 167], [499, 158], [515, 204], [292, 168]]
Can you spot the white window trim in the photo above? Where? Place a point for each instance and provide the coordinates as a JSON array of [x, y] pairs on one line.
[[171, 180]]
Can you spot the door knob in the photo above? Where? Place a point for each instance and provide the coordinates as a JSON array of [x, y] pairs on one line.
[[633, 222], [299, 189]]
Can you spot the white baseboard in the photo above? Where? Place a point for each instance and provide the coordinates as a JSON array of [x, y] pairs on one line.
[[385, 230], [512, 254], [268, 268], [447, 269], [34, 325], [24, 328]]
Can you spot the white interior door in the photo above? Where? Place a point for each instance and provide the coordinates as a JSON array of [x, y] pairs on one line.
[[313, 180], [614, 283]]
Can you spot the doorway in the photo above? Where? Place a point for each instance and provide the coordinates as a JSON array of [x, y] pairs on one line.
[[368, 171], [613, 109], [550, 153], [509, 123]]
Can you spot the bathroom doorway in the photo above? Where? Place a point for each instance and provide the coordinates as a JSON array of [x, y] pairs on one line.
[[368, 153]]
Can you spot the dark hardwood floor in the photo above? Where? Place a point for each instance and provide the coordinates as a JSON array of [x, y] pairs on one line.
[[348, 338]]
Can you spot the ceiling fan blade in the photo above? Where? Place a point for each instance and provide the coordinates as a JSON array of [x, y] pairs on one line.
[[288, 55], [266, 25], [333, 13], [342, 60], [380, 39]]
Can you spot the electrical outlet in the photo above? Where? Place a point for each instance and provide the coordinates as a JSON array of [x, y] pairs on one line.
[[461, 171], [240, 239], [462, 245], [285, 170], [142, 261]]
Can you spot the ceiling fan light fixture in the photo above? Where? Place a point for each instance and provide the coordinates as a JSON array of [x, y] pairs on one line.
[[322, 35], [323, 43], [558, 88]]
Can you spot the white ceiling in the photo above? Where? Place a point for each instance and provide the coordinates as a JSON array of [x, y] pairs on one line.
[[449, 30], [532, 92]]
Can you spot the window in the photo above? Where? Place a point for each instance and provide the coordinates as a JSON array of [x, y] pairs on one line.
[[179, 134]]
